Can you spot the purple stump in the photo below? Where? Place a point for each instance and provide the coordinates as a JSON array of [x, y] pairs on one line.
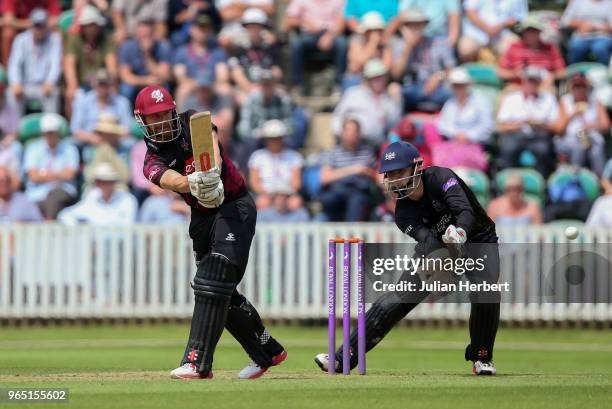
[[361, 353], [331, 305], [346, 310]]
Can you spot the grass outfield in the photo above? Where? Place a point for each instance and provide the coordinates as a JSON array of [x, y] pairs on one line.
[[128, 366]]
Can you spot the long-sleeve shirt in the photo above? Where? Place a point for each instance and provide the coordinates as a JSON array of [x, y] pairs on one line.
[[474, 118], [119, 211], [86, 111], [376, 113], [35, 63]]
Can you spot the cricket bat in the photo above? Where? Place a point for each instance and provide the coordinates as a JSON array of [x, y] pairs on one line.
[[202, 141]]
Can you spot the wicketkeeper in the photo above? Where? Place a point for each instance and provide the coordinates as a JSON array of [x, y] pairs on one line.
[[438, 210], [222, 227]]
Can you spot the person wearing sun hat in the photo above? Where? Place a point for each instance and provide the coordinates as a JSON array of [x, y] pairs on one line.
[[369, 103], [366, 44]]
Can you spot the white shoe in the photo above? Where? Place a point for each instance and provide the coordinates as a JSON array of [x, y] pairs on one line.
[[254, 371], [188, 371], [483, 368], [322, 360]]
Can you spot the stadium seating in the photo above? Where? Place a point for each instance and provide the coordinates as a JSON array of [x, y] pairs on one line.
[[533, 183], [588, 180], [484, 74], [65, 20], [477, 181], [29, 127]]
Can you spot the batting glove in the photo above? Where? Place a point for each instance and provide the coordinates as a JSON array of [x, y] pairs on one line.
[[454, 235], [214, 198], [201, 183]]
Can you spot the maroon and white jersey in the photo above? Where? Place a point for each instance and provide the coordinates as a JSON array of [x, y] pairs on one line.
[[178, 156]]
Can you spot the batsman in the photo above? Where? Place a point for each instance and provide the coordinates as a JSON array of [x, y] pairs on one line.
[[437, 209], [222, 227]]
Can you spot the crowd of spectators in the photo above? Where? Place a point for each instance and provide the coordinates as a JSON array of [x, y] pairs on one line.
[[402, 69]]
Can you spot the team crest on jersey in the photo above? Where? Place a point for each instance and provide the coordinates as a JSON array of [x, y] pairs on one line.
[[157, 96]]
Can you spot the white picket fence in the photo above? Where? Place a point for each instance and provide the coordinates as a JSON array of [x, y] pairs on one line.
[[53, 271]]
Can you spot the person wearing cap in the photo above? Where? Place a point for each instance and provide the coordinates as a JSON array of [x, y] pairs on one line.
[[104, 205], [233, 32], [222, 226], [205, 98], [258, 52], [356, 10], [364, 45], [466, 121], [183, 13], [530, 50], [437, 209], [487, 25], [264, 103], [584, 121], [512, 208], [275, 166], [88, 106], [51, 165], [591, 22], [527, 119], [16, 18], [318, 26], [127, 15], [34, 65], [143, 60], [370, 103], [88, 51], [348, 177], [200, 56], [421, 65]]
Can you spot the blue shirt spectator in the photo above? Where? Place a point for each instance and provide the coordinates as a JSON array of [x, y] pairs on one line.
[[444, 19], [164, 208]]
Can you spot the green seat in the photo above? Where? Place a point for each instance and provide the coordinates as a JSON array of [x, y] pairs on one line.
[[2, 74], [484, 74], [533, 183], [584, 67], [29, 127], [565, 223], [588, 180], [477, 181], [136, 130], [65, 20]]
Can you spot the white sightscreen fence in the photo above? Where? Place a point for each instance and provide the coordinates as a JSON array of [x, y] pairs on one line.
[[53, 271]]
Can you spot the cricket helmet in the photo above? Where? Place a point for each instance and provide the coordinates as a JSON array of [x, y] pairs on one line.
[[397, 156], [152, 100]]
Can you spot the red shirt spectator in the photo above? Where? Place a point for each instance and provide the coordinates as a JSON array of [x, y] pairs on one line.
[[21, 9]]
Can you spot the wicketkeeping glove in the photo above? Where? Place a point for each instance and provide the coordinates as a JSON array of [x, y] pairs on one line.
[[454, 235]]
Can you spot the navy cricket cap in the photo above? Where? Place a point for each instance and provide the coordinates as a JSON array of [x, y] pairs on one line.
[[399, 155]]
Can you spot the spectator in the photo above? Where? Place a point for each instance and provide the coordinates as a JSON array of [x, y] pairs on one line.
[[320, 25], [583, 122], [113, 142], [487, 24], [591, 21], [103, 205], [364, 45], [14, 205], [600, 215], [140, 185], [356, 10], [385, 212], [421, 66], [143, 61], [444, 18], [407, 131], [88, 51], [206, 99], [88, 107], [527, 119], [466, 121], [51, 167], [164, 207], [128, 14], [183, 13], [35, 65], [259, 52], [267, 102], [281, 211], [347, 175], [201, 56], [370, 104], [530, 50], [9, 120], [275, 169], [231, 12], [15, 18], [10, 161], [511, 208]]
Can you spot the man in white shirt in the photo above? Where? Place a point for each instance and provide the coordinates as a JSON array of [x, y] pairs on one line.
[[103, 205], [600, 215], [527, 119], [488, 23]]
